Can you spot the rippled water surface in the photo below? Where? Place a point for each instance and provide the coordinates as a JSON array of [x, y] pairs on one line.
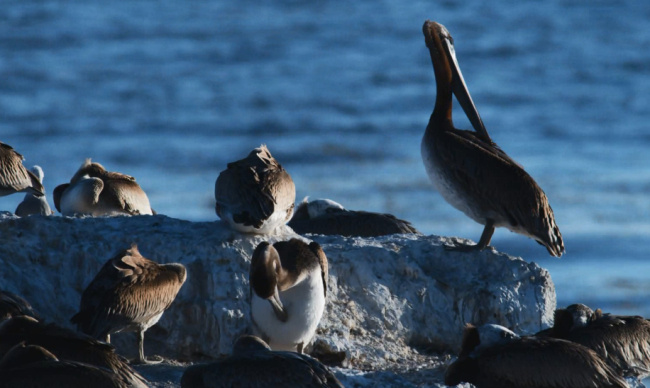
[[169, 92]]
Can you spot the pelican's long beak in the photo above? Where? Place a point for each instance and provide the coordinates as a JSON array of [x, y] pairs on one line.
[[459, 88], [276, 303]]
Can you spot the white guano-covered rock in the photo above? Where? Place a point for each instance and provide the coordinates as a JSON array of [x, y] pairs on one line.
[[392, 301]]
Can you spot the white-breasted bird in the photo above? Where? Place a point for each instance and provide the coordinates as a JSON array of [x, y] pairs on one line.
[[288, 283]]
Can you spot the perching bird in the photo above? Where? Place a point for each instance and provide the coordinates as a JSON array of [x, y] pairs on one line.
[[68, 345], [14, 177], [623, 341], [12, 305], [33, 204], [96, 192], [255, 194], [26, 366], [253, 364], [130, 293], [469, 170], [493, 356], [324, 216], [288, 283]]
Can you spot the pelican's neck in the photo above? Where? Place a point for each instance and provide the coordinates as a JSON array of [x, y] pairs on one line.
[[441, 116]]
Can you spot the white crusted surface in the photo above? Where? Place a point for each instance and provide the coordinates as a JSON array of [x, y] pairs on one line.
[[393, 302]]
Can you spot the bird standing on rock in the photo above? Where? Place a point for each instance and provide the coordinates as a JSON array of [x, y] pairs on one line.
[[469, 170], [255, 194], [130, 293], [288, 283]]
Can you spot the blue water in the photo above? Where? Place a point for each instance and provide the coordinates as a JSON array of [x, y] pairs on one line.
[[341, 92]]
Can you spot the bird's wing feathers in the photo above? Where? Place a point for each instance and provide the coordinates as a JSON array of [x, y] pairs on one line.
[[548, 363], [322, 260], [128, 288], [14, 175], [510, 191]]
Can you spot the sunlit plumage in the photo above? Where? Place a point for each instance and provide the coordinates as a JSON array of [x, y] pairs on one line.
[[288, 288], [14, 177], [469, 170], [130, 293], [94, 191], [255, 194]]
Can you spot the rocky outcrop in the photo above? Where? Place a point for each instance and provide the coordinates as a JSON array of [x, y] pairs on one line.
[[392, 300]]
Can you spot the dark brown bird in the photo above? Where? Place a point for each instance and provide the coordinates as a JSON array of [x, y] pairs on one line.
[[67, 345], [26, 366], [12, 305], [254, 365], [469, 170], [623, 341], [130, 293], [255, 194], [96, 192], [495, 357], [288, 283], [14, 177], [324, 216]]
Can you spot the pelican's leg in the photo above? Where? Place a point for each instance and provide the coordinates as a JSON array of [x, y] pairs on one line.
[[486, 236], [300, 347], [108, 339], [141, 359]]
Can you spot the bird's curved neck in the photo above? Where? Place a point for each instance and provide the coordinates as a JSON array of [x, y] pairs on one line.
[[441, 116]]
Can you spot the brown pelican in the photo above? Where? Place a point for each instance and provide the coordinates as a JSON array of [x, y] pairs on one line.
[[34, 366], [14, 177], [33, 204], [12, 305], [67, 345], [623, 341], [96, 192], [130, 293], [469, 170], [288, 283], [255, 194], [254, 364], [324, 216], [493, 356]]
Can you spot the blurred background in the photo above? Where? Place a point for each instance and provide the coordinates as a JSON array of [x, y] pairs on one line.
[[341, 92]]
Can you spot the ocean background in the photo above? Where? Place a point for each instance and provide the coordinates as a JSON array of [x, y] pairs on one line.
[[341, 92]]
